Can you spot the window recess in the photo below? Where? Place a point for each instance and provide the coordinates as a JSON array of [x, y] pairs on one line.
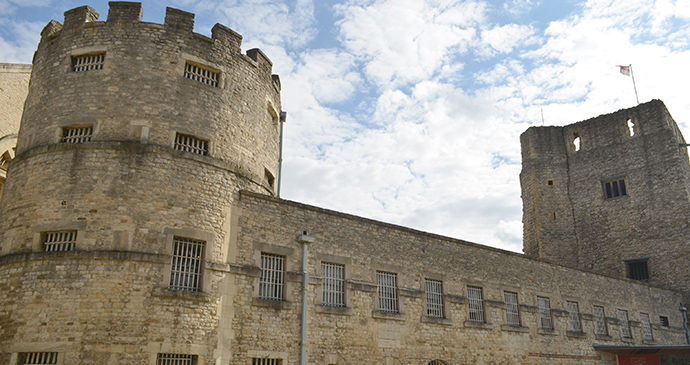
[[76, 134], [88, 62], [202, 74]]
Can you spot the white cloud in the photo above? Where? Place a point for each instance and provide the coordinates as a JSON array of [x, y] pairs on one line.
[[19, 45], [503, 39], [404, 41]]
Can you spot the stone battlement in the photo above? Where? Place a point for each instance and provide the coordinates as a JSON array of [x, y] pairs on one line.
[[178, 23]]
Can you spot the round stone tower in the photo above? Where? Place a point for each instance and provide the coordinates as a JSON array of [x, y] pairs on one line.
[[135, 141]]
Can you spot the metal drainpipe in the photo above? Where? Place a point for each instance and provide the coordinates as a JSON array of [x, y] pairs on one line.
[[283, 117], [306, 240], [685, 323]]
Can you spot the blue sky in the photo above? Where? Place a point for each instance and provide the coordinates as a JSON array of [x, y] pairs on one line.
[[410, 111]]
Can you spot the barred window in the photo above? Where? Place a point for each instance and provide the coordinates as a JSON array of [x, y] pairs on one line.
[[436, 362], [176, 359], [88, 62], [614, 188], [76, 134], [265, 361], [545, 313], [476, 303], [638, 270], [663, 321], [187, 259], [37, 358], [201, 74], [189, 143], [333, 284], [434, 298], [600, 323], [388, 291], [512, 309], [59, 241], [574, 324], [646, 327], [272, 280], [625, 324]]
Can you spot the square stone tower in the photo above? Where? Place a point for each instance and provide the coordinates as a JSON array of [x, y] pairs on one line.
[[610, 195]]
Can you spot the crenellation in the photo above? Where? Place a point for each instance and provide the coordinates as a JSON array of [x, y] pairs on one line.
[[77, 17], [228, 38], [179, 20], [261, 59], [52, 29], [124, 12]]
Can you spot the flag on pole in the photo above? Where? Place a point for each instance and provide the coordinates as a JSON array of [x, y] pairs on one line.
[[625, 70]]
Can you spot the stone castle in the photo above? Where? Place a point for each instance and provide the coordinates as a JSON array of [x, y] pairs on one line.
[[140, 225]]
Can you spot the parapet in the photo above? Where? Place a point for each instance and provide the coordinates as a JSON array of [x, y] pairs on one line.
[[177, 23]]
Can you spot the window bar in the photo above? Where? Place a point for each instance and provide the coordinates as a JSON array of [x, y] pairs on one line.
[[574, 317], [434, 298], [186, 264], [512, 310], [646, 327], [175, 359], [88, 62], [600, 324], [545, 312], [271, 280], [202, 75], [76, 135], [41, 358], [333, 284], [625, 324], [388, 294], [476, 305], [60, 241]]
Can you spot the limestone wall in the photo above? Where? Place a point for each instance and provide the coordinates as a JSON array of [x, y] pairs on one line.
[[14, 81], [361, 334]]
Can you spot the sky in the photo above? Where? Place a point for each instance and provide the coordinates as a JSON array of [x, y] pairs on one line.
[[410, 111]]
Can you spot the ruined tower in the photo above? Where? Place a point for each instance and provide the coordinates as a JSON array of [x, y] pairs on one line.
[[610, 195], [135, 141]]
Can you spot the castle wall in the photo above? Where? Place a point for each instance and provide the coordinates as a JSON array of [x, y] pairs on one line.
[[649, 222], [360, 333], [14, 79]]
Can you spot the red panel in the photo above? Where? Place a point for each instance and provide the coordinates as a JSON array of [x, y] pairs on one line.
[[638, 359]]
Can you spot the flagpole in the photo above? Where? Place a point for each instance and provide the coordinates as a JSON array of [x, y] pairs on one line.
[[634, 86]]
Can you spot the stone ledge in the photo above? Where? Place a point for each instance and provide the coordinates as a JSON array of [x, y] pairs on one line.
[[412, 293], [354, 285], [85, 255], [576, 334], [509, 328], [603, 337], [458, 299], [441, 321], [343, 311], [182, 294], [549, 332], [386, 315], [479, 325], [277, 304]]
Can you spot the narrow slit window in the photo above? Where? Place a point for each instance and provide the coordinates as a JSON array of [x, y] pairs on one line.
[[187, 259], [577, 142], [631, 127], [201, 74], [76, 134], [176, 359], [88, 62], [59, 241], [189, 143], [37, 358]]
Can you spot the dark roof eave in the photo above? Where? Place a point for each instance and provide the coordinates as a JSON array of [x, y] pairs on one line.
[[643, 350]]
